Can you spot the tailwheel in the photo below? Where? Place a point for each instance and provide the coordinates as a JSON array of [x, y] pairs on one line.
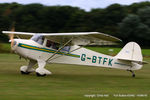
[[24, 73], [133, 74], [40, 75]]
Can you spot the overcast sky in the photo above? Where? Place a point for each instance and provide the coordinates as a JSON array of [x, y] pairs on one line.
[[83, 4]]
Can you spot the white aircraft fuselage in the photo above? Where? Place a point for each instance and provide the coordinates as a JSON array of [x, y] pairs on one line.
[[34, 51]]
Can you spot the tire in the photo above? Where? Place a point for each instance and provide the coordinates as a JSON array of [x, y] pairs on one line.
[[39, 75], [24, 73]]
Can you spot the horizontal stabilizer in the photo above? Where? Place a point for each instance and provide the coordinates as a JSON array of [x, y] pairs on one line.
[[139, 62]]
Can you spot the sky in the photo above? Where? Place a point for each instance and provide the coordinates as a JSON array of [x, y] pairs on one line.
[[83, 4]]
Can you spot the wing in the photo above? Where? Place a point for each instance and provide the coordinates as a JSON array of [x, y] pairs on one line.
[[78, 38], [24, 35], [83, 38]]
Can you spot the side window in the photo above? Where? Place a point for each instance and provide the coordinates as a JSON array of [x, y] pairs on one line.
[[66, 48], [51, 44], [56, 46]]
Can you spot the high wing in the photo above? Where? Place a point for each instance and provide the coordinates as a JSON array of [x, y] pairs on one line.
[[82, 38], [22, 35], [78, 38]]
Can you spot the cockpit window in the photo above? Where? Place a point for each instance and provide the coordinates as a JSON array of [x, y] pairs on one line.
[[56, 46], [38, 38], [53, 45], [66, 48], [49, 43]]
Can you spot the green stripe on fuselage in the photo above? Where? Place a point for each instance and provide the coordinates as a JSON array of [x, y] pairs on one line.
[[46, 50]]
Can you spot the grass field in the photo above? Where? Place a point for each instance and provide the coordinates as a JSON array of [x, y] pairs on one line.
[[71, 82]]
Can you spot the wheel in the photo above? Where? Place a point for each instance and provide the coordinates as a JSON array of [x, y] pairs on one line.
[[38, 74], [133, 75], [25, 73]]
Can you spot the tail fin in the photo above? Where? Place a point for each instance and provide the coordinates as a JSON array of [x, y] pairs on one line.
[[131, 51]]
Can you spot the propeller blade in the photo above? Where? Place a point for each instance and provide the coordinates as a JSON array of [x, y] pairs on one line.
[[12, 39], [11, 36]]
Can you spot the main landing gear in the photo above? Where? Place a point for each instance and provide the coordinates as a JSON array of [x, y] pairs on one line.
[[133, 74], [40, 71], [28, 69]]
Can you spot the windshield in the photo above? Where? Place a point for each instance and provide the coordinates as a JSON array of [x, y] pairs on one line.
[[38, 38]]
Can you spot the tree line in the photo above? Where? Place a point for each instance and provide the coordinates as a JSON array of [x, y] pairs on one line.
[[127, 22]]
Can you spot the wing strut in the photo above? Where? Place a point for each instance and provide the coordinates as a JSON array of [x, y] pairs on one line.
[[60, 49], [72, 51]]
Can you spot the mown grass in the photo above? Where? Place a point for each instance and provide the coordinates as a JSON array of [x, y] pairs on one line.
[[70, 82], [5, 48]]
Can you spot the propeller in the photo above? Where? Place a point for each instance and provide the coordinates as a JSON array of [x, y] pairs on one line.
[[11, 36]]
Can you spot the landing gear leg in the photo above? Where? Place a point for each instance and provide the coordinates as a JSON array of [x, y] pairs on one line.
[[41, 71], [133, 74], [28, 69]]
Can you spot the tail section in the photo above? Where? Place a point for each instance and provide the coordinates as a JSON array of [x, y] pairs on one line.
[[131, 51]]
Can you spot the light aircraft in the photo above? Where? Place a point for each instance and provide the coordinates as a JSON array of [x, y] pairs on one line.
[[63, 48]]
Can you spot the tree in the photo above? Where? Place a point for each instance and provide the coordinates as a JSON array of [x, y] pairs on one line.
[[134, 20], [76, 22], [105, 20], [132, 29], [26, 17], [133, 8], [144, 14]]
